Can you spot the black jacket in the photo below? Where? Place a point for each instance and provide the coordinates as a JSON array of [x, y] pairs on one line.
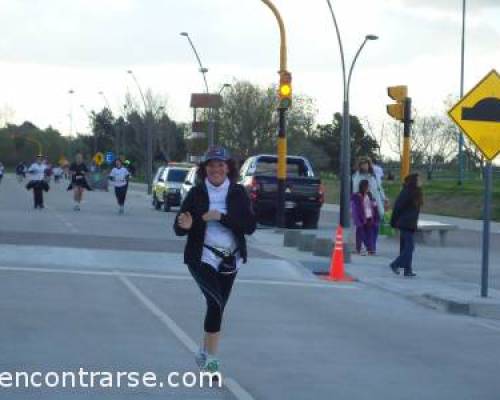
[[240, 219], [406, 211]]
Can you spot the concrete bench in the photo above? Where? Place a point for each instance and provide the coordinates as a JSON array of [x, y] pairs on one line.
[[425, 229]]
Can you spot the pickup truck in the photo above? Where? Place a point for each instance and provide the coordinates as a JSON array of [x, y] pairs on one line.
[[304, 193]]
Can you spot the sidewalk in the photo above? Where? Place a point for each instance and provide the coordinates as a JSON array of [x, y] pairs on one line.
[[461, 223], [439, 285]]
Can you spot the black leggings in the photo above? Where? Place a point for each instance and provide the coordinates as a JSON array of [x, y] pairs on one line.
[[121, 193], [38, 196], [216, 288]]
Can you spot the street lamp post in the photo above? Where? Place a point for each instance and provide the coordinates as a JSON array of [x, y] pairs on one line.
[[203, 71], [101, 93], [149, 136], [71, 92], [345, 152], [89, 116], [115, 133], [462, 69]]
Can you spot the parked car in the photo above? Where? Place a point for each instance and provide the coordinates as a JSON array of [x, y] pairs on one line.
[[167, 185], [304, 193], [189, 182]]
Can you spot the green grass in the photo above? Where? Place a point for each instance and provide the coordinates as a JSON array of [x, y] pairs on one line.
[[440, 197]]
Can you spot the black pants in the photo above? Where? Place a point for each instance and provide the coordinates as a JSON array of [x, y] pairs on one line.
[[216, 288], [121, 193], [38, 195]]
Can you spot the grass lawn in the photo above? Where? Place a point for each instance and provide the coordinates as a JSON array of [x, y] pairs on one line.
[[440, 197]]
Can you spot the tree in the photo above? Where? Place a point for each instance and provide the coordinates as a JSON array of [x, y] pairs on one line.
[[248, 123], [328, 137]]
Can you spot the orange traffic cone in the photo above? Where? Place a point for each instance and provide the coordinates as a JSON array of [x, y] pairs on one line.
[[337, 272]]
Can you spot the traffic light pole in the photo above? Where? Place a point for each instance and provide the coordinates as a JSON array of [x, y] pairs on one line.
[[280, 215], [405, 165], [282, 146], [149, 153]]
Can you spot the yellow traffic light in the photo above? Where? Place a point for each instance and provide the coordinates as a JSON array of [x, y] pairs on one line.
[[398, 93], [285, 90]]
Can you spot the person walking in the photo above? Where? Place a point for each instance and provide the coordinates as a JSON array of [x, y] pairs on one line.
[[365, 218], [78, 171], [215, 215], [37, 181], [119, 179], [21, 169], [2, 169], [365, 172], [405, 218]]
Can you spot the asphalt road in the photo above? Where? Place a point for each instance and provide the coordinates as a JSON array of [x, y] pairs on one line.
[[104, 292]]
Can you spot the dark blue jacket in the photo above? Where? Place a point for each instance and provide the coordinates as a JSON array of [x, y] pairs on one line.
[[406, 211]]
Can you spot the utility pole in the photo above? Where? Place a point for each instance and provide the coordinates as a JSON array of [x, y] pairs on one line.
[[285, 101], [401, 111]]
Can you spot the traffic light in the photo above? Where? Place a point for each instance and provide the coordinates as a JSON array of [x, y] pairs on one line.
[[399, 94], [402, 112], [285, 90]]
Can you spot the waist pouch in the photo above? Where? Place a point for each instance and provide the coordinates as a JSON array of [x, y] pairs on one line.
[[227, 266]]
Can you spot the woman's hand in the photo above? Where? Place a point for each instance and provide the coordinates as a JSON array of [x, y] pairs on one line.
[[185, 221], [212, 215]]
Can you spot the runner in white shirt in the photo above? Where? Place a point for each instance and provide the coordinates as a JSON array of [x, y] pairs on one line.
[[37, 174], [119, 179]]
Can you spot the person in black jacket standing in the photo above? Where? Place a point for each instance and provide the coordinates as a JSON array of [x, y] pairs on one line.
[[405, 218], [216, 215]]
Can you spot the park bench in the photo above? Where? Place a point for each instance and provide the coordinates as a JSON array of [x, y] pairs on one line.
[[425, 229]]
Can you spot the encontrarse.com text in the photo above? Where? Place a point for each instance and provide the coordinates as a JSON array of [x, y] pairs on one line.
[[107, 380]]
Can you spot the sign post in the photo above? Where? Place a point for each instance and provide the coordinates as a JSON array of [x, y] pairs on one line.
[[478, 115]]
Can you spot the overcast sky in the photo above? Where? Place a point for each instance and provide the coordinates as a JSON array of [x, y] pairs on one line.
[[50, 46]]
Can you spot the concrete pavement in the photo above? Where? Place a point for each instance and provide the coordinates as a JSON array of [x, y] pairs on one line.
[[68, 302]]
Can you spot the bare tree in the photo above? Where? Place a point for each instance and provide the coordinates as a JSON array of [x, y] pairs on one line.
[[7, 114]]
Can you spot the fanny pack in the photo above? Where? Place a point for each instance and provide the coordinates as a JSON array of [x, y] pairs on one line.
[[227, 266]]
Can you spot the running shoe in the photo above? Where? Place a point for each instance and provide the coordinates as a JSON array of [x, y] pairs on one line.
[[201, 358], [212, 365]]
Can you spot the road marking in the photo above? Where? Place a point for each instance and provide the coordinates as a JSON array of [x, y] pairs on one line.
[[232, 385], [488, 325], [175, 277], [67, 223]]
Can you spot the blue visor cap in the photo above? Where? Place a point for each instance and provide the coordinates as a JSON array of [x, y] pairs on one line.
[[216, 153]]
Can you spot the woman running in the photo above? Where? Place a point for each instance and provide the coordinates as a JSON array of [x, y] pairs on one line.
[[78, 171], [216, 215], [119, 179], [37, 181]]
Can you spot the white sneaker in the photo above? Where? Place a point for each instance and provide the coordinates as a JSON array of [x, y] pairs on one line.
[[201, 358]]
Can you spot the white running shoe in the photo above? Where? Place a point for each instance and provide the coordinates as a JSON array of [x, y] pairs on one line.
[[201, 358]]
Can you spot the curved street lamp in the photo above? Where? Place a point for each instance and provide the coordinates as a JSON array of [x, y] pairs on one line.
[[345, 152], [203, 70], [149, 136]]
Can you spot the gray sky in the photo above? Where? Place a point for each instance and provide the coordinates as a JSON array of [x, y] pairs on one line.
[[50, 46]]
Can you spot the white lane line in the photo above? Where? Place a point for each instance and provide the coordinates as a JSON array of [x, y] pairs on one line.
[[488, 325], [174, 277], [67, 223], [233, 386]]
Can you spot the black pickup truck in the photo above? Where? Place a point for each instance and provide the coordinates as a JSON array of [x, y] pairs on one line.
[[304, 193]]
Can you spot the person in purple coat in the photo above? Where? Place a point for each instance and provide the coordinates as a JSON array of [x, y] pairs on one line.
[[365, 217]]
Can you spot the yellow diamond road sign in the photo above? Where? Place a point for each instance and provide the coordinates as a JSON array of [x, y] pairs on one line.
[[478, 115], [98, 158]]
